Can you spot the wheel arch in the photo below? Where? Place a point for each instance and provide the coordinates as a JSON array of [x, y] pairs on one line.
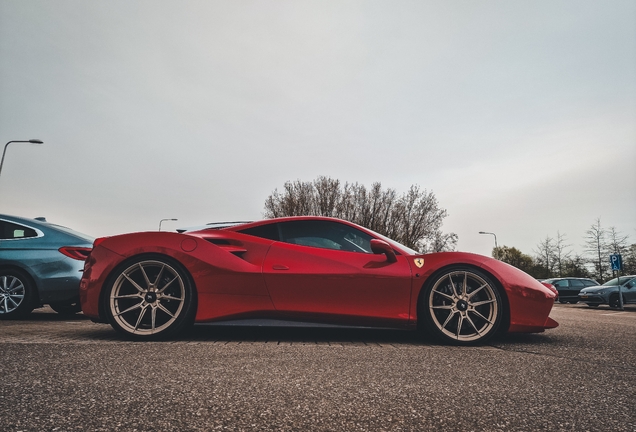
[[505, 322], [29, 276], [114, 274]]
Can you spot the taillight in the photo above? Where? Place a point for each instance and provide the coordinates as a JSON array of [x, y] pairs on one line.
[[78, 253]]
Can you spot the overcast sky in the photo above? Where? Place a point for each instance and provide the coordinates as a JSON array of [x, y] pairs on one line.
[[519, 115]]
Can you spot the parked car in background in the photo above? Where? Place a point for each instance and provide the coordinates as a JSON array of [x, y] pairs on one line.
[[608, 292], [569, 288], [40, 263]]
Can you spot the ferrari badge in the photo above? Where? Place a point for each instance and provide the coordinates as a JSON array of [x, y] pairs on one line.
[[419, 262]]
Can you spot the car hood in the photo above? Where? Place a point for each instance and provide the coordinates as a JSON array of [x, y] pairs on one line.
[[592, 290]]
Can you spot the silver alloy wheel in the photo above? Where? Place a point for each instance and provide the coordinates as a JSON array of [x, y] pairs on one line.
[[12, 292], [147, 297], [463, 306]]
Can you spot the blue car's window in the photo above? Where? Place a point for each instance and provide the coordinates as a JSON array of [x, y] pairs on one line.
[[12, 231], [614, 282], [88, 239]]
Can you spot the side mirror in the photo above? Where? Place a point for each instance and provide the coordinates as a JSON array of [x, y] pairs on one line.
[[382, 247]]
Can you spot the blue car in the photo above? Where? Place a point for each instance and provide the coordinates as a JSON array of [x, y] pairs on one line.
[[40, 263], [608, 292]]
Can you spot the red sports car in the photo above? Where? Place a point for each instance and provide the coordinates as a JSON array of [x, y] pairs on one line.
[[152, 285]]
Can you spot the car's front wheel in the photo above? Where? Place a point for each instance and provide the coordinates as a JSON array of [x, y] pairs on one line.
[[150, 298], [16, 294], [461, 306], [614, 301]]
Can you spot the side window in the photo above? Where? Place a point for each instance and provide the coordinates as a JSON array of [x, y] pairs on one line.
[[576, 283], [326, 235], [561, 283], [269, 231], [631, 284], [589, 283], [12, 231]]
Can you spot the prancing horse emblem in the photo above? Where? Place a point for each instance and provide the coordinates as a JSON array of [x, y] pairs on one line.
[[419, 262]]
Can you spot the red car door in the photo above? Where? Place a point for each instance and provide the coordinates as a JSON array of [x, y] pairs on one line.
[[315, 277]]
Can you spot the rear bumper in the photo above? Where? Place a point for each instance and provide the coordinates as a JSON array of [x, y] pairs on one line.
[[98, 267]]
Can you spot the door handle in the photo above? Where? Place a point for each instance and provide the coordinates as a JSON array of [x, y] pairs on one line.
[[280, 267]]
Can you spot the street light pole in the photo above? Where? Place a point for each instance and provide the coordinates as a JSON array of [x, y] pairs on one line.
[[496, 247], [165, 220], [31, 141]]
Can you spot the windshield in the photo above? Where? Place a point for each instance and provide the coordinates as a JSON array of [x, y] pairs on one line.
[[614, 282], [396, 244]]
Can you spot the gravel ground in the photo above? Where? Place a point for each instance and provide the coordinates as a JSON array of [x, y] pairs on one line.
[[70, 374]]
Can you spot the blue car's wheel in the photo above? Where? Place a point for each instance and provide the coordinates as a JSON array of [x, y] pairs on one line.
[[614, 301], [16, 294]]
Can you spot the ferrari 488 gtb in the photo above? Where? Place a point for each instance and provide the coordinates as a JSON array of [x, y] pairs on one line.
[[153, 285]]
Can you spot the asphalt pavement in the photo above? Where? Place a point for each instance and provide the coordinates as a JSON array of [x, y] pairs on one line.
[[66, 374]]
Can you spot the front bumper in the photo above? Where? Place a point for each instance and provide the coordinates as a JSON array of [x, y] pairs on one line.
[[592, 298]]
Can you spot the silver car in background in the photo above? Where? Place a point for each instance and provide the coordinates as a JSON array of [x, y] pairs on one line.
[[608, 292], [40, 263]]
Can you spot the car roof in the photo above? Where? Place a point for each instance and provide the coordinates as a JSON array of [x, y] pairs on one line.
[[245, 225], [212, 225], [567, 277], [47, 228]]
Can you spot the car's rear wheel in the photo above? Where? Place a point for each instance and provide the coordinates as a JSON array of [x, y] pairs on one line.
[[562, 301], [593, 305], [574, 301], [16, 294], [69, 307], [150, 298], [461, 306]]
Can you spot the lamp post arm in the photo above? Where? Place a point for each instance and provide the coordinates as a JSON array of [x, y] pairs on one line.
[[3, 153], [32, 141]]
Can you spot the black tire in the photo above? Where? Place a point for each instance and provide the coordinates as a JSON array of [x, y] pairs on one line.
[[461, 306], [574, 301], [614, 301], [150, 297], [17, 294], [593, 305], [69, 307], [563, 301]]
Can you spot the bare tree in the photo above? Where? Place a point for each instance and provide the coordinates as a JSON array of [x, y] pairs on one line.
[[413, 218], [616, 242], [545, 253], [629, 260], [441, 242], [560, 254], [595, 246]]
